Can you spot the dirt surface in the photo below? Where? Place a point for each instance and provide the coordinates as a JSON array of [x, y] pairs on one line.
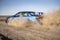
[[34, 31]]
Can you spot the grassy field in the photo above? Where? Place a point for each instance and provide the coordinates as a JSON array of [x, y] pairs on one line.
[[50, 30]]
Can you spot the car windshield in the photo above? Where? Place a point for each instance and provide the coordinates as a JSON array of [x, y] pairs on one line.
[[24, 14]]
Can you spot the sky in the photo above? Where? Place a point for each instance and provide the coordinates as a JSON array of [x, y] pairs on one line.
[[11, 7]]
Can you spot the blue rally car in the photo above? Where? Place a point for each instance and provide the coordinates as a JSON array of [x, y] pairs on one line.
[[24, 14]]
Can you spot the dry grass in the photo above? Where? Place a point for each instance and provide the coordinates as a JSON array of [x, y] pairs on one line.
[[19, 22], [52, 18], [23, 29]]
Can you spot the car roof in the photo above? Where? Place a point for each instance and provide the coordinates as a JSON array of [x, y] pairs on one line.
[[26, 12]]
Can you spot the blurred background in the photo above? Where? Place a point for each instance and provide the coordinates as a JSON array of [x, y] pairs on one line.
[[11, 7]]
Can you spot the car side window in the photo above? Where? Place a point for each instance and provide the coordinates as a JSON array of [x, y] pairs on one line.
[[17, 15], [30, 14], [25, 14], [22, 14]]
